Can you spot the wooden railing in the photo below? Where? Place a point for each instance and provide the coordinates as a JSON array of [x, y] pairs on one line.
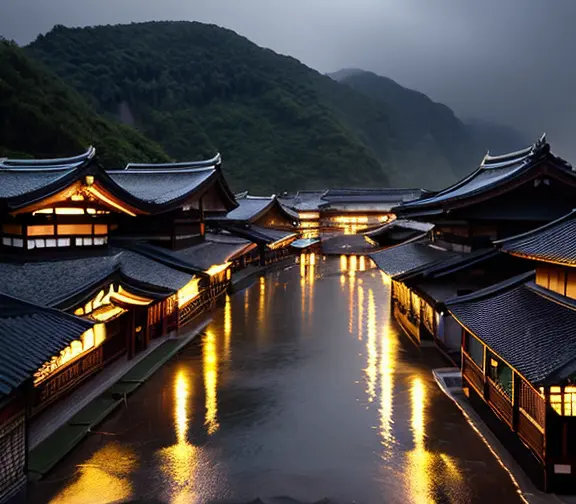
[[68, 377], [500, 402], [473, 374], [531, 433]]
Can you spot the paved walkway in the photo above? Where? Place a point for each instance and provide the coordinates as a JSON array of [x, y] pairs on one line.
[[449, 381], [56, 431]]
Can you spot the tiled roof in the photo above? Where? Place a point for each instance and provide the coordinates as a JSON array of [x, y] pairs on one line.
[[26, 164], [207, 163], [493, 172], [161, 186], [347, 244], [409, 257], [145, 270], [209, 253], [304, 200], [51, 283], [249, 208], [531, 328], [29, 336], [553, 242], [18, 183]]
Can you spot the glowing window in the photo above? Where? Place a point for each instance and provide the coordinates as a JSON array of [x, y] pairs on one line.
[[7, 241], [40, 242], [18, 242], [100, 229], [63, 242], [69, 211], [74, 229], [50, 242], [30, 244], [86, 241], [41, 230]]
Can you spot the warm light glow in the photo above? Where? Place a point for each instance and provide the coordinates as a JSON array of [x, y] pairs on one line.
[[227, 326], [371, 352], [180, 461], [128, 298], [362, 262], [308, 215], [77, 197], [388, 356], [105, 477], [343, 263], [210, 362], [386, 280], [351, 302], [92, 189], [188, 292], [353, 265], [90, 339], [105, 314], [217, 268], [360, 312]]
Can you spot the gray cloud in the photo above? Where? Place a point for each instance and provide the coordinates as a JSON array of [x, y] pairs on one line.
[[507, 60]]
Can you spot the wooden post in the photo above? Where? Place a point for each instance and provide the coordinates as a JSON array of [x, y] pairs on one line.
[[515, 400]]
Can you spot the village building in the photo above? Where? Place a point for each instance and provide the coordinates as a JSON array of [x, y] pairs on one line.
[[347, 211], [519, 353], [122, 253], [506, 195], [263, 221], [45, 331]]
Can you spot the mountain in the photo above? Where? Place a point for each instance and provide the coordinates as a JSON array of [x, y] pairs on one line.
[[41, 116], [496, 138], [197, 88], [424, 125]]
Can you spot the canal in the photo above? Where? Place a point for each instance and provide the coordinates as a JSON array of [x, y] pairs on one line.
[[302, 386]]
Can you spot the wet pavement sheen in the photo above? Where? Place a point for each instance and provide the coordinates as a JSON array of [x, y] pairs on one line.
[[302, 386]]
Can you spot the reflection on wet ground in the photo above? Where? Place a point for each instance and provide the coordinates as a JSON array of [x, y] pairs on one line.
[[302, 386]]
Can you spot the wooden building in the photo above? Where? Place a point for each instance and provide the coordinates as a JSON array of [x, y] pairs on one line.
[[519, 353], [29, 337], [125, 250], [263, 221], [507, 194], [346, 211]]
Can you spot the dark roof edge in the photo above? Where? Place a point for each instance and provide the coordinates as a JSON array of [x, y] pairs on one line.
[[457, 264], [552, 296], [38, 308], [492, 289], [534, 232], [31, 163], [216, 160]]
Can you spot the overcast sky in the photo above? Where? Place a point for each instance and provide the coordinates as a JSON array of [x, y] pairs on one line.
[[511, 61]]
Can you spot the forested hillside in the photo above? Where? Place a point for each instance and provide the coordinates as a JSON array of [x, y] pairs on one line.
[[424, 125], [41, 116], [196, 88]]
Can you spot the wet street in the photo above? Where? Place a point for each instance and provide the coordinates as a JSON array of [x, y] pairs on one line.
[[301, 386]]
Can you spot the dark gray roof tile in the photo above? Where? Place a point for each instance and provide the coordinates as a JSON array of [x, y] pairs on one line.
[[531, 328], [553, 242], [408, 257], [29, 336]]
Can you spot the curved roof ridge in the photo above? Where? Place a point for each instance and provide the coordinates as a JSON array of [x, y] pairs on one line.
[[507, 156], [216, 160], [41, 169], [38, 163], [165, 170], [534, 232], [511, 283]]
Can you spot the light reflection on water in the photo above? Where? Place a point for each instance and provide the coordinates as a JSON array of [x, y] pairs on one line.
[[253, 410], [102, 478]]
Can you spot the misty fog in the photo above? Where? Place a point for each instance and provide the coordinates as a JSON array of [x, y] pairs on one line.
[[510, 61]]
